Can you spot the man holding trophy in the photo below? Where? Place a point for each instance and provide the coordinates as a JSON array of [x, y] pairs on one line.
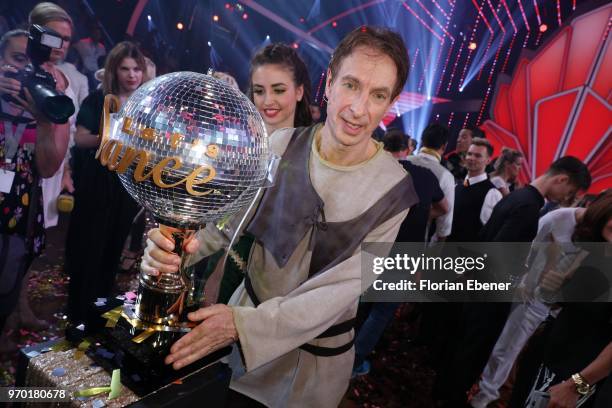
[[291, 320]]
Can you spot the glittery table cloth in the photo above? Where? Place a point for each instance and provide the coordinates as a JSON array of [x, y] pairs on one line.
[[56, 364], [61, 369]]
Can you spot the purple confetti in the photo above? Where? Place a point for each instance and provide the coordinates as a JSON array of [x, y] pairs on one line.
[[58, 372]]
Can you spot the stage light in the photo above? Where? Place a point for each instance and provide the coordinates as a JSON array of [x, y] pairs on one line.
[[302, 20], [179, 25], [268, 37], [537, 9], [295, 45], [334, 24], [472, 46], [209, 44], [508, 53], [450, 120], [455, 65], [524, 16], [149, 17], [245, 16], [543, 28], [215, 18], [228, 6]]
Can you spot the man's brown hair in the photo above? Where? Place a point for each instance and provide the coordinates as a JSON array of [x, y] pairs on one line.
[[479, 141], [383, 40]]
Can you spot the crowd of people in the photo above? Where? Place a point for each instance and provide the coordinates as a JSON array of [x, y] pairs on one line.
[[288, 297]]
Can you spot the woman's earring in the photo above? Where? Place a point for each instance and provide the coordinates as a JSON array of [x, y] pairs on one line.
[[325, 99]]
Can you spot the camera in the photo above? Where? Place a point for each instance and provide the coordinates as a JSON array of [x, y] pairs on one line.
[[56, 106]]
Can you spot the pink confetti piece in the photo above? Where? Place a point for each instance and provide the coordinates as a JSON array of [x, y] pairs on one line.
[[130, 295]]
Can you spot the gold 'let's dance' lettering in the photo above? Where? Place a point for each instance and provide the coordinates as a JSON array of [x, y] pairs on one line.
[[117, 157]]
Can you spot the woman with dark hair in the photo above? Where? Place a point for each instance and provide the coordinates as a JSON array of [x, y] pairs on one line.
[[596, 226], [279, 86], [101, 203]]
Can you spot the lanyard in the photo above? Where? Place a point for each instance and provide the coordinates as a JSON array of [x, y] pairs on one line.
[[11, 139]]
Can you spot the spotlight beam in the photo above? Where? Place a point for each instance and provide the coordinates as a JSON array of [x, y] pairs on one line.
[[435, 20], [407, 7], [286, 25]]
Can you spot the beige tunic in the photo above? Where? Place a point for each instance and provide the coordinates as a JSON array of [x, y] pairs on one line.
[[294, 309]]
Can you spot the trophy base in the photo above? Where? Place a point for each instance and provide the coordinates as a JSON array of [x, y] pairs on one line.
[[142, 364]]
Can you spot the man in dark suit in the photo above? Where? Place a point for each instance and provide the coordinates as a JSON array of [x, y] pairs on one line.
[[475, 196]]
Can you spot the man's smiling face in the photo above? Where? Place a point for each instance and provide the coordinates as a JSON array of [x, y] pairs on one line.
[[359, 96]]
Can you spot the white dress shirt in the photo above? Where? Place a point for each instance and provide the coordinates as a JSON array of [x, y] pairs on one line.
[[491, 199]]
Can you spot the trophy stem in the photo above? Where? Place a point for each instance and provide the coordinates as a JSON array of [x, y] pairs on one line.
[[166, 299]]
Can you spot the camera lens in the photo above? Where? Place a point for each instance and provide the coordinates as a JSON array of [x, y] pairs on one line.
[[57, 107]]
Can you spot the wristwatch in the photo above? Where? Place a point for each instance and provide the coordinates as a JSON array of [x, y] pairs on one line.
[[582, 386]]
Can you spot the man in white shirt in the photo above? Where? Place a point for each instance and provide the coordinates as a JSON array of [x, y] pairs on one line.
[[476, 196], [434, 140]]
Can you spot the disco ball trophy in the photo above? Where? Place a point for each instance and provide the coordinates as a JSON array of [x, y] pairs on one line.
[[192, 150]]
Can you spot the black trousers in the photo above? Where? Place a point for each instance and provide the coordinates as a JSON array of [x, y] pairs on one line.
[[469, 347]]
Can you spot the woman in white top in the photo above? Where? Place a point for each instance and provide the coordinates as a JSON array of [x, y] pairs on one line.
[[52, 16], [507, 169]]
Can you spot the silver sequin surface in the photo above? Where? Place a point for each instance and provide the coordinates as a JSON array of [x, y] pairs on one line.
[[219, 127]]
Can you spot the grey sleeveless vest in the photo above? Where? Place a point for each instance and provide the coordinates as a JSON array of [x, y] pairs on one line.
[[292, 207]]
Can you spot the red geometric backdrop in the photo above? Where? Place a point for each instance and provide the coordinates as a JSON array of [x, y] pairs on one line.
[[557, 102]]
